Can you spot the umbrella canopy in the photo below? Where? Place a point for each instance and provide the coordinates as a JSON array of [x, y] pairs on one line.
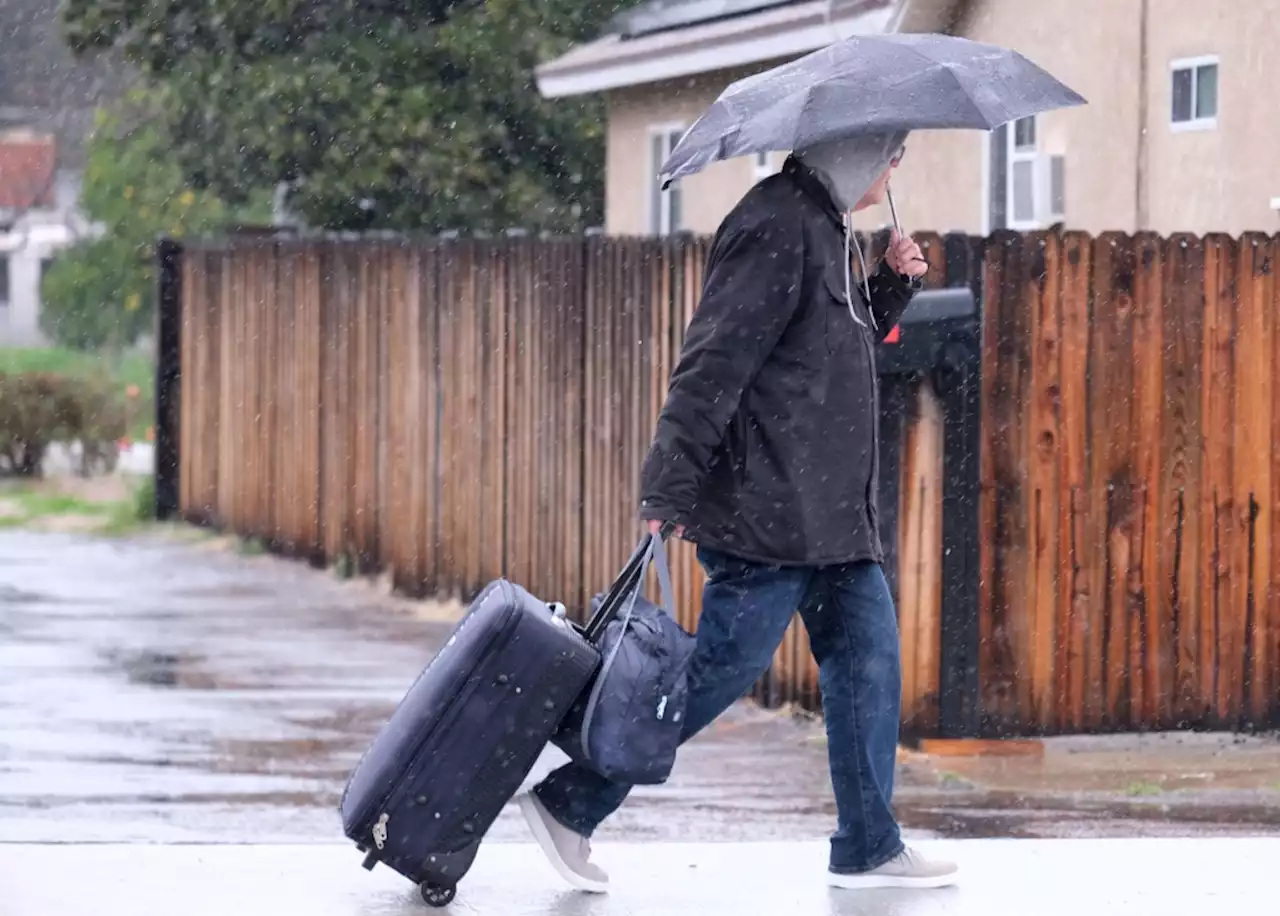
[[869, 84]]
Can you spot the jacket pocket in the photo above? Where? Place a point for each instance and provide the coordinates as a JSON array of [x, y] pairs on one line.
[[843, 332]]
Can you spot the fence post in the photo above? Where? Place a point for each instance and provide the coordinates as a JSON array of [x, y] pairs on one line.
[[959, 702], [168, 375]]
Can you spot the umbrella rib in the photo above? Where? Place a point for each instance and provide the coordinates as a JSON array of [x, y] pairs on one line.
[[967, 95], [887, 87]]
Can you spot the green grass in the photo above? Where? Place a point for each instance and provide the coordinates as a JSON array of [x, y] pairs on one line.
[[35, 504], [252, 547], [128, 369], [27, 506], [122, 518], [1144, 788]]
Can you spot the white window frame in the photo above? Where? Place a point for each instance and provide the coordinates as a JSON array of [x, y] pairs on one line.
[[1015, 155], [659, 223], [1056, 215], [1194, 64], [984, 152]]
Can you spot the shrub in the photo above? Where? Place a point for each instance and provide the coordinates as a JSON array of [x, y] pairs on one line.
[[40, 408], [36, 409], [132, 373], [103, 420]]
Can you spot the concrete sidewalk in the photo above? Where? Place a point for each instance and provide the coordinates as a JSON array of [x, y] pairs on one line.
[[1000, 878]]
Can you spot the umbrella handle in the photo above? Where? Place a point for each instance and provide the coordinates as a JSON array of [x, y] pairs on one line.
[[897, 225], [893, 210]]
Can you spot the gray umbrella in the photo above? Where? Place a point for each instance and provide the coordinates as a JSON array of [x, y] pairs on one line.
[[871, 84]]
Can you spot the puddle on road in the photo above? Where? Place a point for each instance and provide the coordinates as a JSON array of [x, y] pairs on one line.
[[11, 595], [158, 668]]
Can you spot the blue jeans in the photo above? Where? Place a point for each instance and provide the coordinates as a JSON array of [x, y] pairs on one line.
[[853, 630]]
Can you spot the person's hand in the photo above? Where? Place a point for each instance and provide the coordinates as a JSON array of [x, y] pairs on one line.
[[655, 527], [904, 256]]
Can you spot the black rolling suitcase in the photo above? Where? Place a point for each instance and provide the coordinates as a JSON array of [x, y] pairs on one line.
[[469, 731]]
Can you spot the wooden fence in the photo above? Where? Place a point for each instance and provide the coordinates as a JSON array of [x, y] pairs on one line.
[[1130, 479], [458, 411]]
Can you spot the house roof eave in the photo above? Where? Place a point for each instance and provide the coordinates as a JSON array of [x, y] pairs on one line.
[[779, 32]]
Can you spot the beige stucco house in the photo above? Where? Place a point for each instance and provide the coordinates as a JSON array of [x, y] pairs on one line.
[[1181, 133]]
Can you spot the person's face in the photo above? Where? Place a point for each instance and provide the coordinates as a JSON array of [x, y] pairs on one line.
[[880, 187]]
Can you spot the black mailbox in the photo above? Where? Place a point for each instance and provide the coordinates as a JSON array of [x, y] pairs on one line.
[[937, 333]]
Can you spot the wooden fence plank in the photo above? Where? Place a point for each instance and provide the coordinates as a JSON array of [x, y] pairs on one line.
[[396, 426], [312, 396], [1041, 293], [287, 383], [452, 549], [268, 419], [1073, 442], [417, 477], [572, 369], [1121, 492], [338, 466], [1150, 676], [1217, 642], [592, 457], [1251, 483], [1003, 513], [1181, 450], [543, 420], [228, 376], [1271, 631], [429, 272]]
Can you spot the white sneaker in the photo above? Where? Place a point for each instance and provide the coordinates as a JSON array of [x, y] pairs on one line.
[[568, 852], [908, 869]]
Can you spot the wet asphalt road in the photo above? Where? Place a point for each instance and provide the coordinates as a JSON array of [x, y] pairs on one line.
[[153, 691]]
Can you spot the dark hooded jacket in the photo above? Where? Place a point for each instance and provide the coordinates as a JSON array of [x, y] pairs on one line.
[[767, 445]]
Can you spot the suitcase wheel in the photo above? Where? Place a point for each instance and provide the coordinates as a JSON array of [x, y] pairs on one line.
[[437, 896]]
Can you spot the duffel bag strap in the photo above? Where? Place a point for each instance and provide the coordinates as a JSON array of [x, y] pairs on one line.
[[631, 580]]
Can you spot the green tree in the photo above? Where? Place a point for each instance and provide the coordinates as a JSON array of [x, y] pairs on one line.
[[101, 290], [386, 114]]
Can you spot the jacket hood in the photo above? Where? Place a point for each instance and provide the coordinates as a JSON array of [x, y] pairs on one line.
[[849, 167]]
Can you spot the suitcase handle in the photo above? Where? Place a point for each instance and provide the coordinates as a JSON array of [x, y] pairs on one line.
[[650, 549]]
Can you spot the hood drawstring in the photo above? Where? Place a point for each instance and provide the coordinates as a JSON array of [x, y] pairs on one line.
[[850, 238]]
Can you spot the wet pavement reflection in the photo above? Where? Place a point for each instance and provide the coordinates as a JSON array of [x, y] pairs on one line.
[[159, 691]]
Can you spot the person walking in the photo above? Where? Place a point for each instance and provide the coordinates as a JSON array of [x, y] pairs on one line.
[[766, 457]]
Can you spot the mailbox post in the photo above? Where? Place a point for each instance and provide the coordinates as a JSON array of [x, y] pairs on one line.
[[938, 342]]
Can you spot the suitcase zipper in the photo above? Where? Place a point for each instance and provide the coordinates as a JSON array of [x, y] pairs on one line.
[[446, 718]]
